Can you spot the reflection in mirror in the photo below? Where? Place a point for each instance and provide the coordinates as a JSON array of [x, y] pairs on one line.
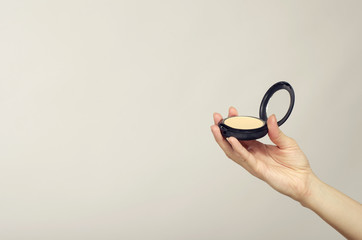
[[278, 104]]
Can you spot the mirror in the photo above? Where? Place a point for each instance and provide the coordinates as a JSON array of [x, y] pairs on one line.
[[278, 104]]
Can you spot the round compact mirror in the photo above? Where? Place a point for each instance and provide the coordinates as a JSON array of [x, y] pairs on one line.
[[278, 104], [250, 128]]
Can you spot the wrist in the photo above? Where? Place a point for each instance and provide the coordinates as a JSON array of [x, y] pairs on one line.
[[312, 193]]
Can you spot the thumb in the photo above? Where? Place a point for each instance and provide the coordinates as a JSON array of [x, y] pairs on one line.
[[277, 136]]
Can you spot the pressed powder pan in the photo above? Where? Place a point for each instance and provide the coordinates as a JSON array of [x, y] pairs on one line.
[[250, 128]]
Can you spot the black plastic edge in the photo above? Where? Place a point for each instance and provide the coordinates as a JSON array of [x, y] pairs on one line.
[[273, 89]]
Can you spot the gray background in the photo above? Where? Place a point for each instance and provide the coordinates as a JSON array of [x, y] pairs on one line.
[[106, 108]]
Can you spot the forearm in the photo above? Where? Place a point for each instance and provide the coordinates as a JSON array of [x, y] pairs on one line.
[[338, 210]]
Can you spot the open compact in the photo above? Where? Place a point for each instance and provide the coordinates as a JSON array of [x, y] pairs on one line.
[[250, 128]]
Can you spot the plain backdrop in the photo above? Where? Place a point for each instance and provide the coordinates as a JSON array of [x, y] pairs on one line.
[[106, 108]]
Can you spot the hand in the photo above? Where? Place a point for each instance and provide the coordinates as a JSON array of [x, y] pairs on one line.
[[284, 166]]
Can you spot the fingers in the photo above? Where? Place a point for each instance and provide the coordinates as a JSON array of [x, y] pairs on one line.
[[232, 112], [225, 146], [277, 136], [217, 118], [232, 147], [238, 148], [242, 155]]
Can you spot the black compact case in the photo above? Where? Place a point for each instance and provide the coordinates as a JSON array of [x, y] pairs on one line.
[[255, 133]]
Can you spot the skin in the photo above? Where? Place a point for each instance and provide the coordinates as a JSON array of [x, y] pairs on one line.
[[286, 169]]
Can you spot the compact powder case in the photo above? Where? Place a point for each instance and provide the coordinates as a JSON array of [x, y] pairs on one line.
[[250, 128]]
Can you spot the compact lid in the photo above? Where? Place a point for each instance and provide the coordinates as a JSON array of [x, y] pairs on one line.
[[273, 89]]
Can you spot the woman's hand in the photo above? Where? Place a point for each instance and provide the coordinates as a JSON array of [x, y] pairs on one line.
[[286, 169], [284, 166]]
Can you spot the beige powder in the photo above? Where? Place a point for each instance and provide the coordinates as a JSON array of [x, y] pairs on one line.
[[244, 122]]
